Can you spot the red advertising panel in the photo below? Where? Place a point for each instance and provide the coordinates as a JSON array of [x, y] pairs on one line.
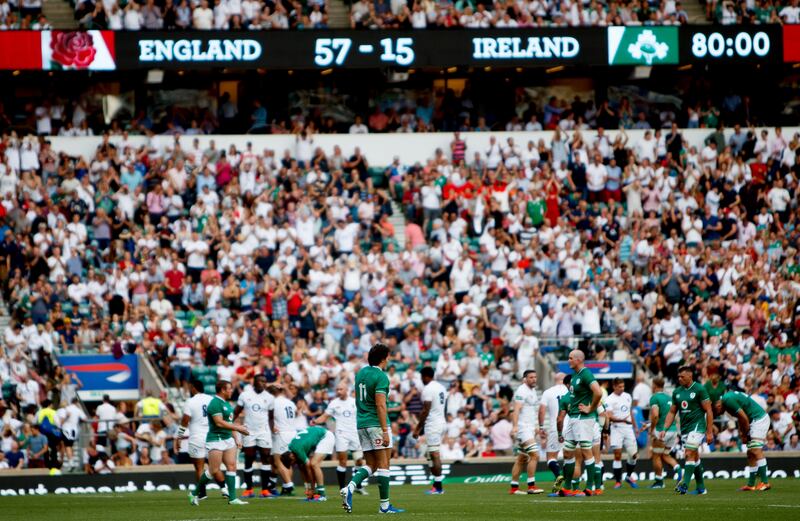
[[58, 50], [791, 43]]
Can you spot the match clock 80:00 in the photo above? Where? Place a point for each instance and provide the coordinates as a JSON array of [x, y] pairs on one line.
[[757, 44]]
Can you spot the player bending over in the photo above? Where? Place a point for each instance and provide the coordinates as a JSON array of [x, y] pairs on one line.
[[691, 404], [308, 448], [257, 405], [221, 444], [753, 426], [524, 419], [343, 410], [372, 420], [432, 423], [661, 446]]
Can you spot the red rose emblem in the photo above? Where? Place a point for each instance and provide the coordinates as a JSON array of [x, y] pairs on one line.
[[72, 49]]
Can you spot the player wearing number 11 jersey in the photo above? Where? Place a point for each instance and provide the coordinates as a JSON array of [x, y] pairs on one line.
[[372, 421]]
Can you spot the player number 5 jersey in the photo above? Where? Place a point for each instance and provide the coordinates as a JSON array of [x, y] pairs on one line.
[[435, 393]]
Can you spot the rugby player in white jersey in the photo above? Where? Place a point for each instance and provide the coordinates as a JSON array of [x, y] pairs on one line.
[[195, 417], [524, 420], [257, 405], [548, 416], [343, 410], [432, 424], [283, 431], [619, 410]]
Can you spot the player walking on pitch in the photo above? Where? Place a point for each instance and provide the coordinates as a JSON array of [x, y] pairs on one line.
[[549, 406], [432, 423], [257, 405], [623, 432], [221, 444], [579, 431], [660, 404], [372, 420], [195, 417], [343, 410], [753, 427], [691, 404], [524, 419]]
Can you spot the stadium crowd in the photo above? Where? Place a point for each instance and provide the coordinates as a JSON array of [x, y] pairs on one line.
[[238, 262]]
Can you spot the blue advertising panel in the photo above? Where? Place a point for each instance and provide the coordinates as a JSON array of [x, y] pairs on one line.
[[104, 374], [603, 370]]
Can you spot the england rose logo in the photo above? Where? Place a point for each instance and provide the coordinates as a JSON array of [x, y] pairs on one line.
[[78, 50], [73, 50]]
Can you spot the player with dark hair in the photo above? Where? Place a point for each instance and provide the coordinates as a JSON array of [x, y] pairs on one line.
[[372, 419], [432, 423], [221, 444], [258, 406], [660, 404], [525, 430], [691, 404]]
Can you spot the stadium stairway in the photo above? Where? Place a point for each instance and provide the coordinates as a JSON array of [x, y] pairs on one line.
[[398, 220], [60, 14], [338, 14], [696, 11]]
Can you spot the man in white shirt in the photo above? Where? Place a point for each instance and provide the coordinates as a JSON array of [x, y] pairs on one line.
[[358, 127], [596, 176], [525, 428], [285, 412], [195, 417], [548, 415], [343, 411], [70, 417], [432, 424], [782, 424], [619, 407], [258, 408]]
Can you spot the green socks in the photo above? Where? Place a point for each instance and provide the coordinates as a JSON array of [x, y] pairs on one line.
[[383, 487], [360, 475], [569, 470], [752, 473], [598, 475], [590, 474], [698, 475], [200, 489], [762, 470], [688, 472], [320, 491], [230, 481]]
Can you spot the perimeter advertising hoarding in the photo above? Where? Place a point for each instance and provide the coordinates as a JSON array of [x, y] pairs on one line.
[[482, 473]]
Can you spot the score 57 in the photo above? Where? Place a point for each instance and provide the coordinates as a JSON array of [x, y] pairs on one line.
[[330, 50]]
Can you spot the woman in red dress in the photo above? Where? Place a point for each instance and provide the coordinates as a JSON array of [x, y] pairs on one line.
[[553, 211]]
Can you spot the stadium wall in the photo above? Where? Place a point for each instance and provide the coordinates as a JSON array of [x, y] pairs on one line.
[[379, 149], [415, 472]]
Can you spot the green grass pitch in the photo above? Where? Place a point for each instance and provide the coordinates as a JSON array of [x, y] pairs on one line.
[[460, 502]]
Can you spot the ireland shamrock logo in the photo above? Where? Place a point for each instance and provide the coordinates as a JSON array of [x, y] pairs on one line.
[[648, 47]]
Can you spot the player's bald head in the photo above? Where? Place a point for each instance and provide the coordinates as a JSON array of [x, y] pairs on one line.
[[558, 379], [577, 355]]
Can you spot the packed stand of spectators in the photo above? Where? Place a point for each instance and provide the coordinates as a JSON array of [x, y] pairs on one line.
[[22, 14], [728, 12], [284, 263], [251, 15], [434, 111], [471, 14]]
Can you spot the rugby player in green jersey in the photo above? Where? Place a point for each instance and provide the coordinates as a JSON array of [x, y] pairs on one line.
[[660, 404], [308, 448], [579, 431], [221, 444], [691, 404], [372, 422], [753, 427]]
